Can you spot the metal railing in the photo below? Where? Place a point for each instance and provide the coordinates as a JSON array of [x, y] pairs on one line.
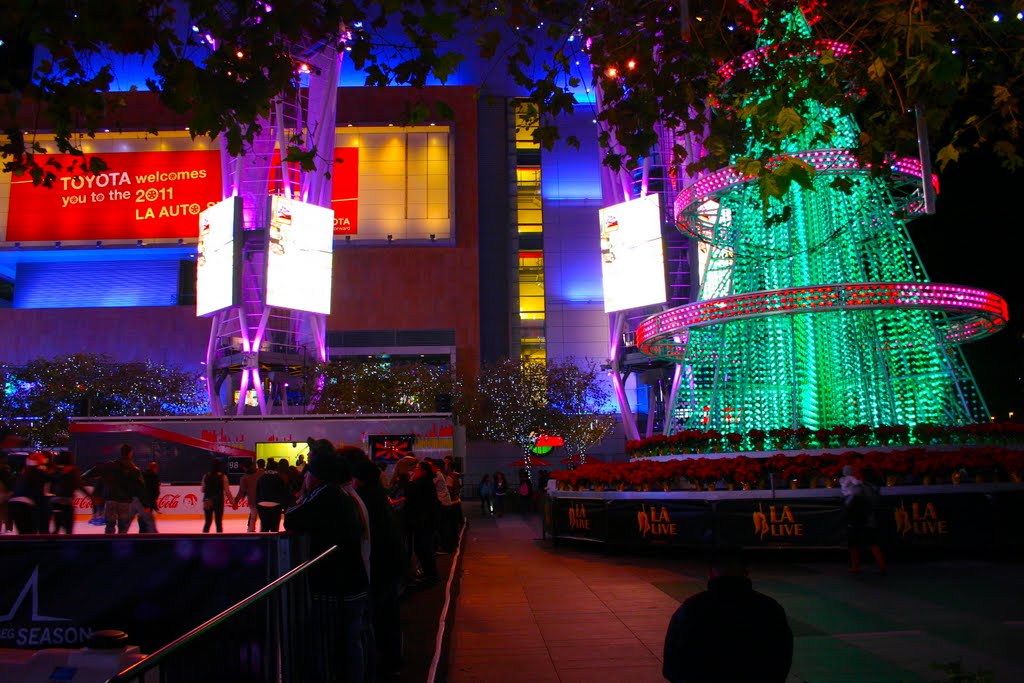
[[288, 636]]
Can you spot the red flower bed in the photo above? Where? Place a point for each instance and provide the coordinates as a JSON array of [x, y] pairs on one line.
[[800, 467], [1009, 463], [915, 462], [702, 441]]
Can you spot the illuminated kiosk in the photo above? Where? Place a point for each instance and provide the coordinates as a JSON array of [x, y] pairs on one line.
[[818, 311], [820, 317], [268, 309]]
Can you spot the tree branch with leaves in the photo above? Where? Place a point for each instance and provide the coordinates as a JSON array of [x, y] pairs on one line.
[[518, 400], [381, 386]]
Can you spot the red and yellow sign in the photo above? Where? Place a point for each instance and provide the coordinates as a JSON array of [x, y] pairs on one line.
[[344, 188], [148, 195], [345, 191], [778, 522], [144, 195], [654, 522], [922, 519]]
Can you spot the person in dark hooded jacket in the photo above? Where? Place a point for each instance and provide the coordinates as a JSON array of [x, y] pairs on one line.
[[329, 517], [729, 633], [388, 560], [422, 510], [273, 496]]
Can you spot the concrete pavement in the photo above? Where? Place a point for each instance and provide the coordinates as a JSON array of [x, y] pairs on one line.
[[529, 610]]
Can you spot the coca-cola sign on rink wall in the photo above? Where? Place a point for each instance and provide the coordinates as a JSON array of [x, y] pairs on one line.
[[174, 500]]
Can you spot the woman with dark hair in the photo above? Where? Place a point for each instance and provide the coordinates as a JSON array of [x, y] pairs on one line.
[[860, 503], [273, 496], [423, 509], [396, 493], [67, 480], [500, 491], [330, 516], [215, 486]]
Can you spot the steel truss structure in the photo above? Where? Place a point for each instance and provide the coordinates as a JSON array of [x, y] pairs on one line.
[[257, 347]]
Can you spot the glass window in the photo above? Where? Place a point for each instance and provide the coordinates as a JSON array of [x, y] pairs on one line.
[[404, 181], [525, 127]]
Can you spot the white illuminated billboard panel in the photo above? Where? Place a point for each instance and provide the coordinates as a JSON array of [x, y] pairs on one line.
[[217, 261], [632, 256], [299, 255], [714, 266]]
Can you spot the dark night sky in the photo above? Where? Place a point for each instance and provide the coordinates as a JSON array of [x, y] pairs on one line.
[[973, 239]]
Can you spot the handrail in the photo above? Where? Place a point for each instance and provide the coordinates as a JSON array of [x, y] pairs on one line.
[[156, 657]]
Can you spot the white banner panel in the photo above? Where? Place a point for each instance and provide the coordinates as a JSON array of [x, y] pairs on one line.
[[216, 261], [299, 256], [632, 255]]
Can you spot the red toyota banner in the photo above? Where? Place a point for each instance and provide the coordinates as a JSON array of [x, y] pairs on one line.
[[147, 195], [345, 191], [143, 195], [344, 187]]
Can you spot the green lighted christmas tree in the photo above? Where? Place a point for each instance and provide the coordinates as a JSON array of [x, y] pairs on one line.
[[814, 310]]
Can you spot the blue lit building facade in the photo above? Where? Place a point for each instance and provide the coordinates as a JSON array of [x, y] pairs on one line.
[[511, 267]]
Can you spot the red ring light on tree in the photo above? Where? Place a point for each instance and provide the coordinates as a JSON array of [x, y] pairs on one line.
[[907, 173], [971, 313]]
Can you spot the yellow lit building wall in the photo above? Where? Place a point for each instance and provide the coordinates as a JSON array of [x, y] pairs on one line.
[[404, 180], [529, 215]]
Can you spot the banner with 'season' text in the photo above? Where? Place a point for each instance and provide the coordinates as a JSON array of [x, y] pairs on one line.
[[147, 195], [57, 592], [143, 195]]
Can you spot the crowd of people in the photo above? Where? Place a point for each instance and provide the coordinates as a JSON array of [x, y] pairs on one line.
[[388, 529], [38, 498], [386, 533], [492, 492], [37, 494]]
